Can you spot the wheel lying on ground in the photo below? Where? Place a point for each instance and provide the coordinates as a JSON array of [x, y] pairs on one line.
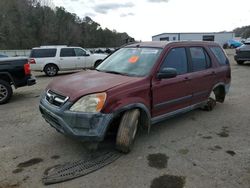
[[127, 130], [5, 92], [51, 70]]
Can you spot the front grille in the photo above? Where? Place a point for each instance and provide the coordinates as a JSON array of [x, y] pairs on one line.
[[55, 99]]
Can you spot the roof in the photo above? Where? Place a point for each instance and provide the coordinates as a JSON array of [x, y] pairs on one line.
[[154, 44], [210, 33], [163, 44]]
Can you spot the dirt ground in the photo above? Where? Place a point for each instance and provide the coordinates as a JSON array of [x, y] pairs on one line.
[[198, 149]]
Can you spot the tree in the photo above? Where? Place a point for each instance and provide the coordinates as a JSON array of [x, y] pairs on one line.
[[30, 23]]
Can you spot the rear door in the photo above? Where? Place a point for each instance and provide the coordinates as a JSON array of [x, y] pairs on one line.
[[223, 70], [174, 93], [68, 59], [203, 73]]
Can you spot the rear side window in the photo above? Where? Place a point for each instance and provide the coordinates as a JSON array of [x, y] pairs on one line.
[[67, 52], [200, 59], [43, 53], [220, 56], [177, 59]]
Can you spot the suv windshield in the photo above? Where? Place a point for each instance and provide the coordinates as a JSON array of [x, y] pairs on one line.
[[131, 61]]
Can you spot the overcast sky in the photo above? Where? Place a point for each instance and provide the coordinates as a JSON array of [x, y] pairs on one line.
[[142, 19]]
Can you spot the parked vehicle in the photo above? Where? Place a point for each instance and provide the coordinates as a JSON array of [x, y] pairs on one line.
[[13, 72], [138, 85], [242, 53], [51, 59], [3, 55], [232, 44]]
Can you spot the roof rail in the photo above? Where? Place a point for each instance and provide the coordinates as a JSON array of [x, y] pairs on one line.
[[49, 46]]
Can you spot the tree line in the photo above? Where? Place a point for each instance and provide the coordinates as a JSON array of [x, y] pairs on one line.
[[29, 23], [243, 32]]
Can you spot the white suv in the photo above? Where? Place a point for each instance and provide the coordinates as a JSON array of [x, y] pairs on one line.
[[51, 59]]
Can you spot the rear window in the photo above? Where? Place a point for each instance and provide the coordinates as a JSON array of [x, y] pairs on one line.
[[220, 56], [42, 53]]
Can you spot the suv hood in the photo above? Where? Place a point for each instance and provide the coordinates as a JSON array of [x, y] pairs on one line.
[[91, 81]]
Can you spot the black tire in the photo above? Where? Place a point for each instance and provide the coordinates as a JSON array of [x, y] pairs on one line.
[[51, 70], [225, 46], [240, 62], [97, 63], [5, 92], [127, 131]]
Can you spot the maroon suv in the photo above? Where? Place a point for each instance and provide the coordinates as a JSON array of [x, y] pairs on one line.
[[138, 85]]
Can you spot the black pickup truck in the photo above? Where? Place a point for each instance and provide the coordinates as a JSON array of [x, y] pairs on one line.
[[13, 72]]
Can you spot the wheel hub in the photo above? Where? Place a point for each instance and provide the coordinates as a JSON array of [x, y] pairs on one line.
[[3, 92]]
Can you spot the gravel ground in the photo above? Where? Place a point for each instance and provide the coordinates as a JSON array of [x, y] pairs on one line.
[[198, 149]]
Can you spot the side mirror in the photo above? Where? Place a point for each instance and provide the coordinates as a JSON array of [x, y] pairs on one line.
[[87, 54], [167, 73]]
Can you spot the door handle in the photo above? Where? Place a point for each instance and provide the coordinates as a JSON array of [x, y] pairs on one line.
[[61, 58]]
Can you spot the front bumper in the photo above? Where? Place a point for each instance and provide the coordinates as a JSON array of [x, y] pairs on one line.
[[82, 126]]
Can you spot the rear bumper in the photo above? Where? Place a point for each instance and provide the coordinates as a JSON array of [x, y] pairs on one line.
[[31, 81], [81, 126]]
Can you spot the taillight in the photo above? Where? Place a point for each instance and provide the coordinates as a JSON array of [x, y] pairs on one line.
[[32, 61], [27, 70]]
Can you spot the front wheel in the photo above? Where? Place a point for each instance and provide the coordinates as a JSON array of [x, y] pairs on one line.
[[5, 92], [97, 63], [51, 70], [127, 130]]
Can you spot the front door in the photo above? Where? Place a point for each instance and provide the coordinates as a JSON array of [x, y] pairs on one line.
[[174, 93], [80, 58], [67, 59]]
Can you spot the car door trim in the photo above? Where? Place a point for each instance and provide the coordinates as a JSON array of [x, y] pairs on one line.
[[176, 112], [171, 102]]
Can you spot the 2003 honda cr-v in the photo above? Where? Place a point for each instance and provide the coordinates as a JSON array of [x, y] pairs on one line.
[[138, 85]]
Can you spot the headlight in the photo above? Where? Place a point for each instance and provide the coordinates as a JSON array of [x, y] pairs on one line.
[[90, 103]]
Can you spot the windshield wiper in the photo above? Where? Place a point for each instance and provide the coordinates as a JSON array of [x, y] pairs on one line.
[[114, 72]]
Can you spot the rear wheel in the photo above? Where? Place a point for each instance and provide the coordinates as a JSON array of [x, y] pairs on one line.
[[127, 130], [51, 70], [211, 102], [240, 62], [5, 92]]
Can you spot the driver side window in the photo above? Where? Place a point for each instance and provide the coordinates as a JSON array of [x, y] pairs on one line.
[[177, 59]]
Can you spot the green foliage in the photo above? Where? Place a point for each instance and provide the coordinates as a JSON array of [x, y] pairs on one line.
[[28, 23], [243, 32]]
